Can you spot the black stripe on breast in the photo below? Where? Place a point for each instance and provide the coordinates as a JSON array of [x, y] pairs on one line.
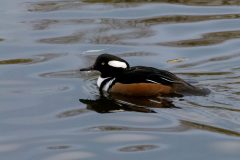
[[104, 83]]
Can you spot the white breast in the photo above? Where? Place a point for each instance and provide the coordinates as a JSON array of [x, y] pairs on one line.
[[100, 80], [107, 85]]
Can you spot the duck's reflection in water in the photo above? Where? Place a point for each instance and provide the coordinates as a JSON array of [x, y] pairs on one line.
[[114, 103]]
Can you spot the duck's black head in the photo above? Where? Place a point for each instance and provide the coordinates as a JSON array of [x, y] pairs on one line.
[[109, 65]]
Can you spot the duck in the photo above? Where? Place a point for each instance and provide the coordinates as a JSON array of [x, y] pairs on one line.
[[118, 77]]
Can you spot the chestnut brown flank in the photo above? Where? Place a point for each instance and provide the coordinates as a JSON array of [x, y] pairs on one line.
[[141, 89]]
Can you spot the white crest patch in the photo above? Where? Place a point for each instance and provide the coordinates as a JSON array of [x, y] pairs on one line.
[[117, 64]]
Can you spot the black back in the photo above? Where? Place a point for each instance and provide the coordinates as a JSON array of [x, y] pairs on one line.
[[141, 74]]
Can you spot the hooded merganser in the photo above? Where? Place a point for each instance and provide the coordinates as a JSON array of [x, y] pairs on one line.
[[118, 77]]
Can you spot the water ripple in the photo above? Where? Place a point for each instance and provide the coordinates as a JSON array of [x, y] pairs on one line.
[[62, 74], [216, 59], [87, 4], [177, 129], [206, 39], [99, 36], [70, 155], [43, 24], [50, 110], [184, 2], [71, 113], [59, 147], [210, 128], [138, 148], [37, 59]]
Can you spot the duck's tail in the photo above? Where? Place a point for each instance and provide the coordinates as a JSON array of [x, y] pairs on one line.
[[187, 89]]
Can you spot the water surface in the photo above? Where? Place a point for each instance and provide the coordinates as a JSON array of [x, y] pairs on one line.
[[45, 43]]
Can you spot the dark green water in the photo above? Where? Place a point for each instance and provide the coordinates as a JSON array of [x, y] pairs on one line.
[[43, 44]]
